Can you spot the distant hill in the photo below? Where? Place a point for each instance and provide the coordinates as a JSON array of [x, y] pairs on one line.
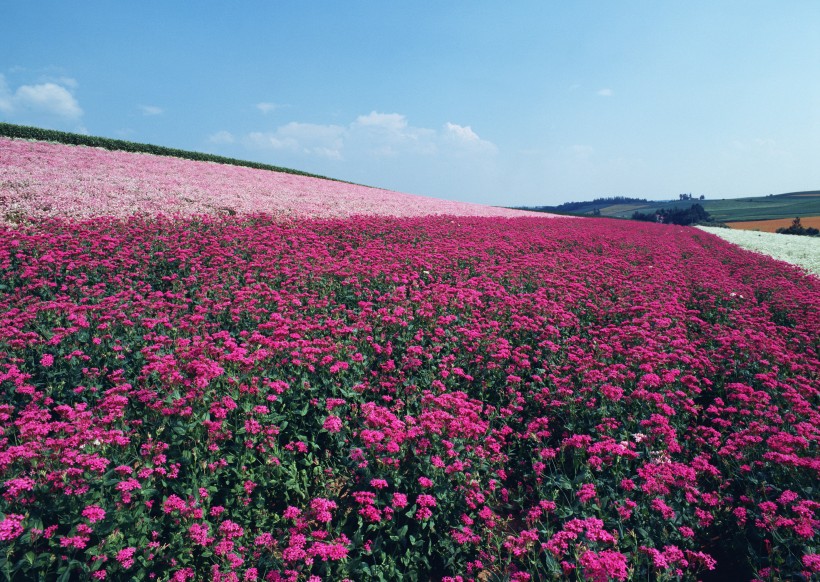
[[788, 205]]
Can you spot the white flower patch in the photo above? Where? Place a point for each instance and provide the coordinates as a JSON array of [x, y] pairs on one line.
[[803, 251]]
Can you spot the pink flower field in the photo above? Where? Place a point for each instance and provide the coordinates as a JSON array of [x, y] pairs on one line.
[[187, 394], [42, 179]]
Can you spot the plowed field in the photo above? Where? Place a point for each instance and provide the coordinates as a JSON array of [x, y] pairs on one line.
[[773, 225]]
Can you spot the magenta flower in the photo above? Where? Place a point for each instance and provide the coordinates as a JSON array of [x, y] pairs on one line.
[[126, 557], [94, 513], [586, 493], [605, 565], [11, 527], [198, 532], [332, 424]]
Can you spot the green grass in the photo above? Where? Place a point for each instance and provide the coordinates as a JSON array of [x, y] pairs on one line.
[[786, 205], [765, 207]]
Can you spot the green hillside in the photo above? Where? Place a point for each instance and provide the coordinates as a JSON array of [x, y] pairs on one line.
[[786, 205]]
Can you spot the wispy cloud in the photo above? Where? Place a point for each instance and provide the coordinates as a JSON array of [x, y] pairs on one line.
[[305, 138], [267, 107], [373, 135], [758, 146], [150, 110], [49, 98], [463, 137], [606, 92], [221, 137]]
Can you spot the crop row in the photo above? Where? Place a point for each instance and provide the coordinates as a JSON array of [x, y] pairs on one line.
[[241, 398]]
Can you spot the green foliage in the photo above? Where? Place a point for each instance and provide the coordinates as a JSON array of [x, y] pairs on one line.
[[570, 207], [799, 229], [682, 216]]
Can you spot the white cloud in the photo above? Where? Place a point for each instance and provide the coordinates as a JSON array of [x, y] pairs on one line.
[[149, 110], [388, 121], [267, 107], [605, 92], [45, 98], [67, 81], [221, 137], [374, 135], [306, 138], [463, 136], [389, 134]]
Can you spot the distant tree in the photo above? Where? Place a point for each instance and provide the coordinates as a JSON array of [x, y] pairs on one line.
[[583, 205], [702, 197], [797, 228], [645, 216], [682, 216]]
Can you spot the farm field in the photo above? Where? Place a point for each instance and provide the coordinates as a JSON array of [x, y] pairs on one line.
[[318, 394], [773, 225], [779, 206], [802, 251]]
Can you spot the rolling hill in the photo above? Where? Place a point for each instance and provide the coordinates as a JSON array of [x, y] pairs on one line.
[[773, 206]]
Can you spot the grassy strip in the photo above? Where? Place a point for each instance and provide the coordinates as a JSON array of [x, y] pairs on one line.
[[37, 133]]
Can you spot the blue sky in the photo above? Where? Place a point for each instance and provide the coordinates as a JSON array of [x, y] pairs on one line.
[[508, 103]]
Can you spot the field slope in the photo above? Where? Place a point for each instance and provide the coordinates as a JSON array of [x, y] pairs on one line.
[[45, 179], [225, 374]]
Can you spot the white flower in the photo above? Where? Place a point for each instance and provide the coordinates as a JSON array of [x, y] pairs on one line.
[[803, 251]]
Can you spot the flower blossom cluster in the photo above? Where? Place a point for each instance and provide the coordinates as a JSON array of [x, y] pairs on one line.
[[240, 398], [43, 179]]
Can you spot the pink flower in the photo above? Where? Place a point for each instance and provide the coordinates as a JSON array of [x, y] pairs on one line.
[[425, 500], [423, 513], [660, 505], [126, 557], [322, 509], [231, 529], [10, 527], [47, 360], [198, 532], [332, 424], [78, 542], [812, 562], [292, 512], [586, 493], [605, 565]]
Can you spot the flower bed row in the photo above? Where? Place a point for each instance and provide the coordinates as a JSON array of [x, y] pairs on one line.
[[44, 180], [242, 398]]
